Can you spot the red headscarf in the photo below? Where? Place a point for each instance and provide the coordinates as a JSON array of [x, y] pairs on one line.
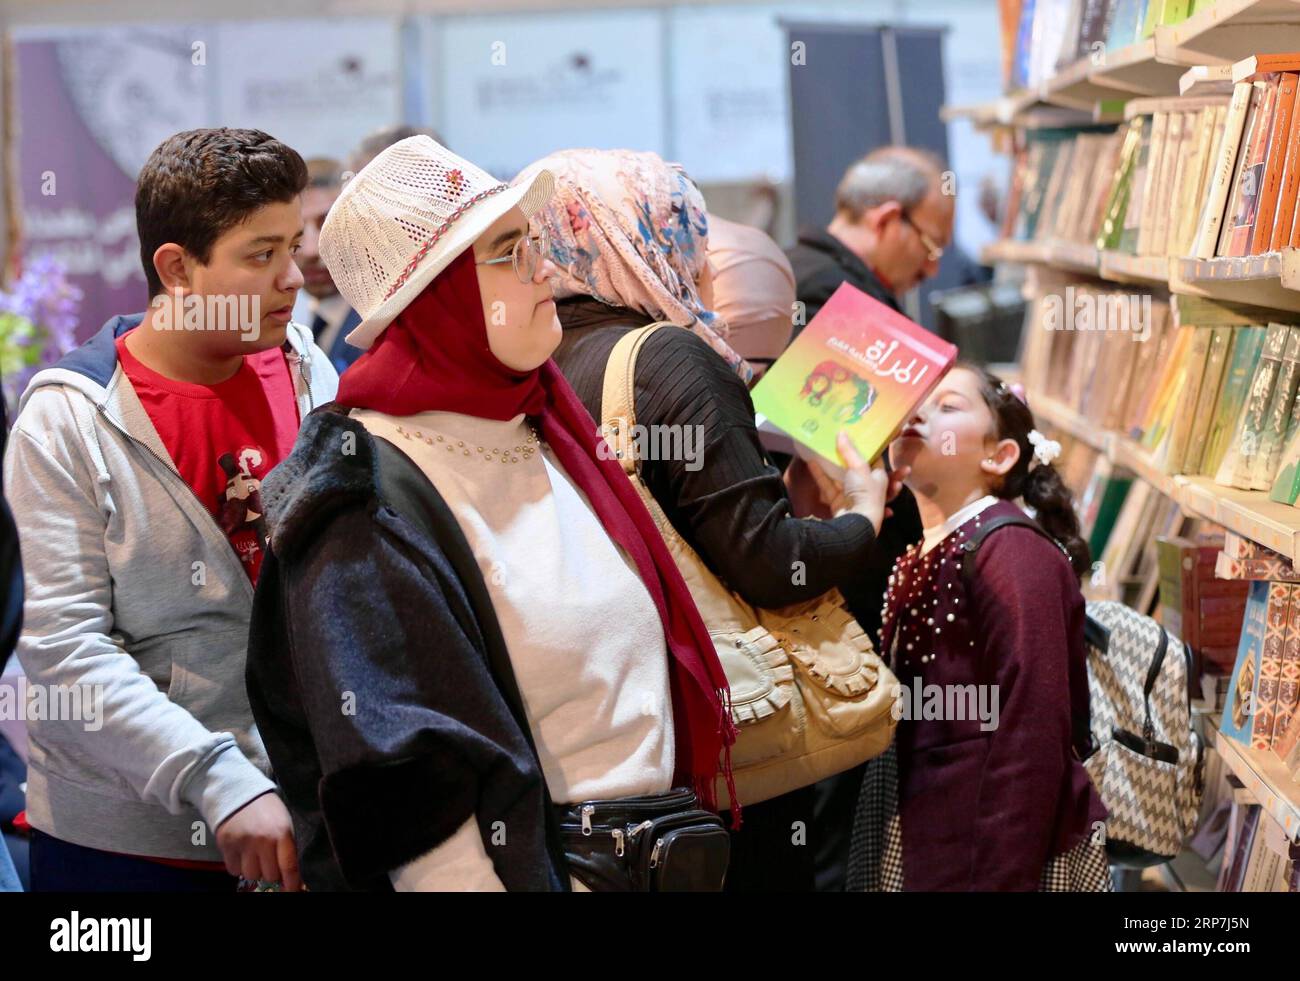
[[435, 356]]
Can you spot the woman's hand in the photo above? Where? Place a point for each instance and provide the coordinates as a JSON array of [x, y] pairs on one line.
[[866, 487]]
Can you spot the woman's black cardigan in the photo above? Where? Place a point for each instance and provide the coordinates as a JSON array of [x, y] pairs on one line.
[[734, 510], [370, 673]]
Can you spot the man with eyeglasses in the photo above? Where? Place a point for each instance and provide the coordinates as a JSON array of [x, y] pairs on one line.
[[892, 223]]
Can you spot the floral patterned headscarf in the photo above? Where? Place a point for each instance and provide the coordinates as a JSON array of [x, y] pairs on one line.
[[630, 230]]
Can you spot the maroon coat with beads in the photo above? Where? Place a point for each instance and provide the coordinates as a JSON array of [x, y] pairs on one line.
[[987, 810]]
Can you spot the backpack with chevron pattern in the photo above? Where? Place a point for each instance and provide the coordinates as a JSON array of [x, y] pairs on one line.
[[1146, 758]]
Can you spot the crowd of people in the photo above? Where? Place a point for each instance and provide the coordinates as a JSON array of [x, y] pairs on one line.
[[367, 602]]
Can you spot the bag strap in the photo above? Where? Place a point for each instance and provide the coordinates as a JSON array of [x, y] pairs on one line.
[[618, 397], [973, 542], [970, 549], [410, 493], [618, 416]]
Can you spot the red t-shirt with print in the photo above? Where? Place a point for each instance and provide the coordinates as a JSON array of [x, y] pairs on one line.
[[224, 438]]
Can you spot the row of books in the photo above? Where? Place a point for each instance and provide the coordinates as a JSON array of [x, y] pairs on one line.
[[1200, 608], [1202, 386], [1214, 174], [1261, 708], [1060, 184], [1258, 855], [1040, 37], [1234, 603]]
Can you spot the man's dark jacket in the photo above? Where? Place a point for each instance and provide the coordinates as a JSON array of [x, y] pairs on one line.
[[369, 675], [821, 264]]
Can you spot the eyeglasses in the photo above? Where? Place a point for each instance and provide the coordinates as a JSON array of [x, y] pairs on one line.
[[527, 256], [935, 252]]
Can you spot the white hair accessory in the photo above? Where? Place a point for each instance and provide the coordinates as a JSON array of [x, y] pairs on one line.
[[1045, 450]]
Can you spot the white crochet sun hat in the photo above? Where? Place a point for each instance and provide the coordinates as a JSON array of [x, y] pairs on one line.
[[404, 218]]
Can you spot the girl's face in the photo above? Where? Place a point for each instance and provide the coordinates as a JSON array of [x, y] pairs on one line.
[[950, 441], [523, 328]]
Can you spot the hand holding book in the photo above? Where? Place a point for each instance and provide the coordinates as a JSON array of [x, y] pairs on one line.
[[866, 486], [858, 367]]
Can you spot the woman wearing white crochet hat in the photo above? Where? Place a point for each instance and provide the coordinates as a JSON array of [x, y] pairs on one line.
[[473, 661]]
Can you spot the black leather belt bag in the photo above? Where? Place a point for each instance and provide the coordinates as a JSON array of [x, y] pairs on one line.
[[654, 843]]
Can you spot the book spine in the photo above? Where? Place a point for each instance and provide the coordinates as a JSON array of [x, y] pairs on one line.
[[1268, 202], [1207, 401], [1265, 464], [1288, 692], [1239, 221], [1270, 664], [1238, 547], [1239, 461], [1188, 394], [1221, 177]]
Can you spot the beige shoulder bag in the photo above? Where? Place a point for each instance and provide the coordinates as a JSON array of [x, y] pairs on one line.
[[809, 695]]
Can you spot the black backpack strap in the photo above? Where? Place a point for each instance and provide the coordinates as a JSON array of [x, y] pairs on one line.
[[407, 490], [973, 542], [1083, 743]]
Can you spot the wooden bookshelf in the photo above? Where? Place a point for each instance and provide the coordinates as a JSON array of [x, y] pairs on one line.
[[1117, 267], [1120, 267], [1073, 256], [1227, 30], [1009, 110], [1248, 513], [1138, 69], [1076, 87], [1266, 778], [1008, 250], [1271, 280], [1268, 280]]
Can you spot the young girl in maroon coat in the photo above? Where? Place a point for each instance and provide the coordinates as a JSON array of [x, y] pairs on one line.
[[985, 789]]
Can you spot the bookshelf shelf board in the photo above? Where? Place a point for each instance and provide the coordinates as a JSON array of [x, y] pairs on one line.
[[1120, 267], [1073, 87], [1248, 513], [979, 113], [1268, 280], [1266, 778], [1073, 256], [1136, 69], [1228, 30], [1008, 250], [1025, 112]]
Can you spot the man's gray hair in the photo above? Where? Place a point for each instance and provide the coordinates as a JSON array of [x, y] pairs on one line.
[[892, 173], [381, 139]]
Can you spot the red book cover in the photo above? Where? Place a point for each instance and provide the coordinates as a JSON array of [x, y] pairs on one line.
[[858, 367]]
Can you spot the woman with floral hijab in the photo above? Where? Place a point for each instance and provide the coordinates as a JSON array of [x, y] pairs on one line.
[[629, 234]]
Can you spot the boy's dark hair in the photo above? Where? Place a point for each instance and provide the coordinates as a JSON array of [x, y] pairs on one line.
[[198, 184], [1041, 487]]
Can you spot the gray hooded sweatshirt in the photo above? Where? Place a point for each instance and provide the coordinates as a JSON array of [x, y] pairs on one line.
[[135, 623]]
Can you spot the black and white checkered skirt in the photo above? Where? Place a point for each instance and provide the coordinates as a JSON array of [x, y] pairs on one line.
[[876, 850]]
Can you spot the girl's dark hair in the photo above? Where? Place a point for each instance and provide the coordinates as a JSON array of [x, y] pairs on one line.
[[198, 184], [1041, 487]]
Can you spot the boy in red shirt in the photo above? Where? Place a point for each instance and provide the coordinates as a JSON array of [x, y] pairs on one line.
[[134, 472]]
